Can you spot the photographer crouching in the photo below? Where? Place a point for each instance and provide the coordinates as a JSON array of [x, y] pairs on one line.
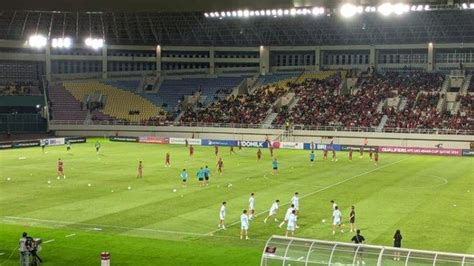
[[29, 246]]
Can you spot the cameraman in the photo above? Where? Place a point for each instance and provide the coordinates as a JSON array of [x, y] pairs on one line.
[[24, 253], [33, 248]]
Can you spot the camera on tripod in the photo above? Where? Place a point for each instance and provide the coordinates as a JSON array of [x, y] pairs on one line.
[[34, 247]]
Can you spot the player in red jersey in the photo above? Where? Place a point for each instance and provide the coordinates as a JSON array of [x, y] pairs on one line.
[[350, 154], [270, 147], [232, 150], [61, 169], [334, 159], [220, 165], [325, 154], [216, 150], [370, 153], [361, 151], [376, 158], [140, 170], [259, 155], [168, 160], [191, 150]]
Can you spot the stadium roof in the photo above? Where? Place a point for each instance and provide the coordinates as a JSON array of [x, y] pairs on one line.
[[183, 5]]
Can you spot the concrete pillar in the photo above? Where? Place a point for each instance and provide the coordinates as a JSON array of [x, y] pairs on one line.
[[264, 60], [104, 62], [430, 65], [48, 62], [211, 62], [317, 59], [158, 60], [373, 57]]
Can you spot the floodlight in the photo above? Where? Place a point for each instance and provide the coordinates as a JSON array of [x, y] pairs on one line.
[[234, 13], [279, 12], [274, 12], [252, 13], [222, 14], [464, 6], [385, 9], [315, 11], [268, 12], [348, 10], [299, 11], [94, 43], [400, 8], [245, 13], [216, 14], [240, 13], [211, 14], [37, 41], [206, 15], [257, 13], [61, 42], [228, 13], [413, 8], [471, 5], [286, 12], [419, 8], [293, 11], [367, 9], [427, 7]]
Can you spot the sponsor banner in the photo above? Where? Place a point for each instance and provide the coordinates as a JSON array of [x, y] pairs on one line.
[[357, 147], [418, 150], [467, 152], [291, 145], [218, 142], [183, 141], [19, 144], [330, 147], [154, 139], [76, 140], [53, 141], [124, 139], [254, 144]]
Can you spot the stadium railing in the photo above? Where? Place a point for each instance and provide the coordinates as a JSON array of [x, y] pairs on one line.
[[262, 126]]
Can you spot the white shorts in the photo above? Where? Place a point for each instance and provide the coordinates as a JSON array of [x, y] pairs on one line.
[[336, 222], [222, 217], [290, 227], [244, 227], [251, 207], [272, 212]]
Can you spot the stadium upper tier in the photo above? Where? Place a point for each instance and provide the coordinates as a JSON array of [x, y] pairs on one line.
[[192, 28]]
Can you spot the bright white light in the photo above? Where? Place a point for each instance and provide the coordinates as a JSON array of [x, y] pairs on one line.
[[299, 11], [257, 13], [419, 8], [279, 12], [385, 9], [373, 9], [94, 43], [367, 9], [246, 13], [400, 8], [212, 15], [348, 10], [293, 11], [240, 13], [216, 14], [315, 11], [322, 10], [268, 12], [413, 8], [427, 7], [286, 12], [206, 15], [430, 44], [471, 5], [61, 43], [37, 41], [252, 13], [222, 14], [274, 12], [228, 13], [234, 13]]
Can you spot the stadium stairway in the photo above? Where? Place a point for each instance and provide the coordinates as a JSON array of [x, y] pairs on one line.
[[465, 87], [64, 105], [119, 102], [382, 123]]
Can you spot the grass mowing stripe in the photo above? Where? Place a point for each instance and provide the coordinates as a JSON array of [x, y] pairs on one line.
[[325, 188]]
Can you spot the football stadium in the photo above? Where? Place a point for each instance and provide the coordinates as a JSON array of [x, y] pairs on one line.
[[272, 132]]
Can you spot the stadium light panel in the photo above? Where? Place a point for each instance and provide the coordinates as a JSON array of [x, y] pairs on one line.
[[94, 43], [252, 13], [280, 12], [400, 8], [286, 12], [274, 12], [348, 10], [419, 8], [385, 9], [222, 14], [206, 15], [246, 13], [471, 5], [427, 7], [228, 13], [37, 41], [257, 13], [61, 42], [292, 11], [211, 15], [268, 12], [240, 13]]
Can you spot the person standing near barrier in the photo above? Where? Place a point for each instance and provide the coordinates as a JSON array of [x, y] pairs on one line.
[[359, 239], [23, 248], [397, 242]]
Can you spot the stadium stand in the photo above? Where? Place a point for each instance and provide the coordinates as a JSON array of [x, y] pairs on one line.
[[19, 88], [119, 104], [63, 104]]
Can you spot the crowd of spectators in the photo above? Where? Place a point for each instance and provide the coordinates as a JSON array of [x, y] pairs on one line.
[[19, 88], [246, 109]]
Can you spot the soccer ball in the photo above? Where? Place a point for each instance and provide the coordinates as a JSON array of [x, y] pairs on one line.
[[8, 179], [49, 182], [58, 178], [174, 190], [129, 188], [89, 185], [230, 185], [323, 220], [112, 191]]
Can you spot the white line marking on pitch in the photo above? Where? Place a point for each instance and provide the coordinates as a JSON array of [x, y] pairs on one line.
[[3, 253], [70, 235], [322, 189], [48, 241]]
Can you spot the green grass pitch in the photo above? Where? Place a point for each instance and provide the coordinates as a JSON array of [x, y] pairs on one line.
[[429, 198]]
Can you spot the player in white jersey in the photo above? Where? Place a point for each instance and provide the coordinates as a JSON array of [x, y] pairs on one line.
[[273, 211], [252, 206], [222, 216], [287, 215], [244, 225], [334, 205], [291, 223], [296, 201], [336, 220]]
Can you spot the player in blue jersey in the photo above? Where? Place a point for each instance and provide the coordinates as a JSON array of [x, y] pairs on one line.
[[312, 157], [275, 166]]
